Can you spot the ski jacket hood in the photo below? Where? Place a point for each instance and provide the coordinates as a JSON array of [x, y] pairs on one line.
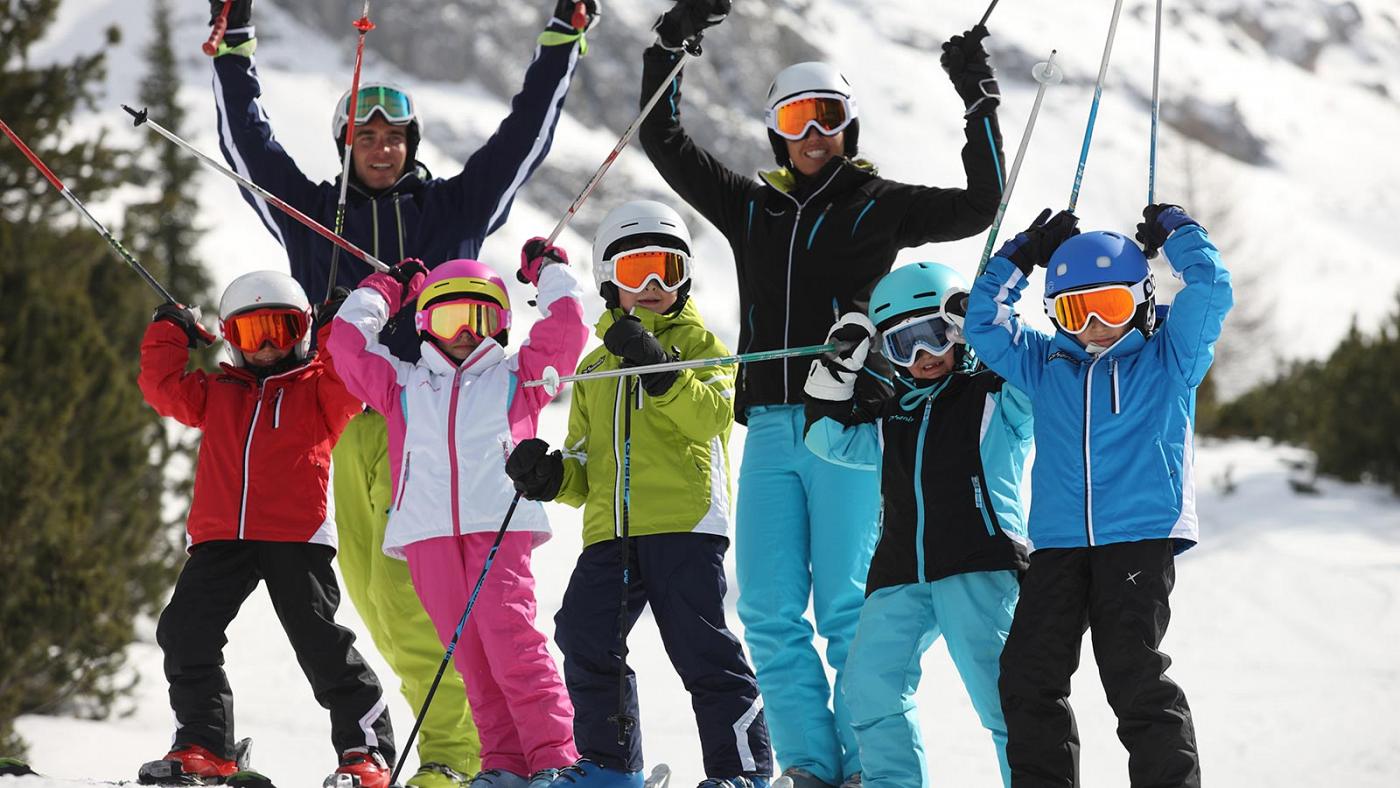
[[263, 471], [1114, 432], [679, 480], [807, 250]]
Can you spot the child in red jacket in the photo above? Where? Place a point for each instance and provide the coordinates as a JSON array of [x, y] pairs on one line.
[[260, 512]]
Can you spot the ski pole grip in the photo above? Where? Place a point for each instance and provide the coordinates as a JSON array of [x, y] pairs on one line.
[[580, 18], [211, 47]]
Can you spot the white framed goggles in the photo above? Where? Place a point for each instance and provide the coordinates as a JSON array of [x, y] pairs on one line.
[[393, 104], [1113, 305], [828, 113], [632, 269], [902, 342]]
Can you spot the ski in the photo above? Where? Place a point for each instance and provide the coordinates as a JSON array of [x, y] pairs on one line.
[[14, 767]]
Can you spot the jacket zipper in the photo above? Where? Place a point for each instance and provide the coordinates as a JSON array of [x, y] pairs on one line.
[[403, 481], [982, 505], [398, 216], [919, 491], [1088, 463], [374, 222], [1113, 378], [617, 460], [247, 453], [792, 245], [452, 448]]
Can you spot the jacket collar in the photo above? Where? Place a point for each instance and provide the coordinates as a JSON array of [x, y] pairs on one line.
[[839, 174], [245, 375], [652, 321], [487, 355], [410, 181], [1128, 344]]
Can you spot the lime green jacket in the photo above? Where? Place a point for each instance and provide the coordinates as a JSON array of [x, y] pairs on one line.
[[679, 456]]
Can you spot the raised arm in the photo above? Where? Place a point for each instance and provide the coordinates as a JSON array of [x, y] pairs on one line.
[[1198, 312], [844, 398], [369, 371], [173, 391], [556, 340]]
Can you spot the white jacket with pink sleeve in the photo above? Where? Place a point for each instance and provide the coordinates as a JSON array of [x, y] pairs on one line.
[[451, 427]]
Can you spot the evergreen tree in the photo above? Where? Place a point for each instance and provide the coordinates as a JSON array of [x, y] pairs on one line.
[[86, 550]]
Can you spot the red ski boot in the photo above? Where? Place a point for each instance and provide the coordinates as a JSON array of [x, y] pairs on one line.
[[189, 764], [360, 768]]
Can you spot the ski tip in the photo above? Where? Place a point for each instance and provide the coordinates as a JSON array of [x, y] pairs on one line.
[[14, 767], [247, 778]]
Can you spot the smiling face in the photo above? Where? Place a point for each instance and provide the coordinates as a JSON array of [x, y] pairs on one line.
[[652, 297], [813, 151], [266, 356], [927, 366], [1096, 333], [380, 152]]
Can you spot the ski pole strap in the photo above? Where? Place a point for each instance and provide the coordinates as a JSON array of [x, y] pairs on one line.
[[553, 38]]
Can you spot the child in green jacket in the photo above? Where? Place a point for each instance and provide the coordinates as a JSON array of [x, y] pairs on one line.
[[647, 458]]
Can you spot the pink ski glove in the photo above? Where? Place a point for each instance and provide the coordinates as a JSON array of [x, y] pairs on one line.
[[401, 284], [534, 256]]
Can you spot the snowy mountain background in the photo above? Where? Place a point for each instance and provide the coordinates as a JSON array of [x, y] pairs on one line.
[[1279, 122]]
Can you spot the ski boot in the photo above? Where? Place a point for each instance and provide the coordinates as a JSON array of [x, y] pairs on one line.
[[588, 774], [801, 778], [436, 775], [498, 778], [543, 778], [735, 782], [188, 764], [361, 767]]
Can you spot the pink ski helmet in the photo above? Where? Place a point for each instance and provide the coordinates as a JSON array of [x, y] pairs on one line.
[[464, 280]]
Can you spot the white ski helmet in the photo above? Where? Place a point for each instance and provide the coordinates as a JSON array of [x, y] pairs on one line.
[[810, 77], [390, 101], [264, 290], [660, 225]]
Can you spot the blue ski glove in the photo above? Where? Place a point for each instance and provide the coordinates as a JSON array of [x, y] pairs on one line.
[[1159, 222], [537, 472], [1034, 246], [687, 20], [638, 347]]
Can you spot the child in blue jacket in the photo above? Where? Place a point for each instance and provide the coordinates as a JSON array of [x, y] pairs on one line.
[[950, 443], [1113, 500]]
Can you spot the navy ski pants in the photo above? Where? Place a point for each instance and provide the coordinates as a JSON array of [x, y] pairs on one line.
[[212, 586], [682, 577]]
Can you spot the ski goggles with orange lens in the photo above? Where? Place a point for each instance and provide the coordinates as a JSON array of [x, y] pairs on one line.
[[249, 331], [1113, 305], [446, 319], [392, 103], [632, 269], [828, 113], [903, 341]]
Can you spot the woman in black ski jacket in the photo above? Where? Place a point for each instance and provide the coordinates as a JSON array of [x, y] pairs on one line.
[[809, 241]]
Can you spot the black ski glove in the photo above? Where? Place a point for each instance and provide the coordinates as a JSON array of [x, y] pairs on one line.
[[1034, 246], [1160, 221], [537, 472], [637, 347], [580, 19], [687, 20], [965, 60], [187, 318], [240, 14], [405, 270], [325, 313]]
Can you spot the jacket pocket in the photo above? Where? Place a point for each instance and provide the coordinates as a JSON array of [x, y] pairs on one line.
[[982, 507], [403, 482], [1168, 476]]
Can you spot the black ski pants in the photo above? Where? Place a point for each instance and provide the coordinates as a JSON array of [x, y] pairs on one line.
[[682, 577], [1119, 593], [215, 581]]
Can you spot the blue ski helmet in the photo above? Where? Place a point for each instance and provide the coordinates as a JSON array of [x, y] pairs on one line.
[[1098, 258], [916, 289]]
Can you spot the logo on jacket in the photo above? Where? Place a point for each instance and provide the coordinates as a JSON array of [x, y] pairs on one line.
[[901, 417], [1132, 577], [593, 366]]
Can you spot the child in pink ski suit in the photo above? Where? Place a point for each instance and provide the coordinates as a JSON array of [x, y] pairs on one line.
[[453, 418]]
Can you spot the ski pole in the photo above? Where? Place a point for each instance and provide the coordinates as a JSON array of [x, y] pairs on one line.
[[1094, 108], [142, 118], [76, 203], [988, 13], [456, 635], [551, 379], [692, 50], [625, 722], [211, 47], [364, 26], [1046, 73], [1156, 111]]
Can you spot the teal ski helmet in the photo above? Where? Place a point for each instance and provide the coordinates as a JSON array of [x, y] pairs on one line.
[[1099, 258], [919, 289]]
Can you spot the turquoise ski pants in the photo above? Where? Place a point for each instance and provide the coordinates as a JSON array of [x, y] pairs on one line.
[[806, 530], [972, 612]]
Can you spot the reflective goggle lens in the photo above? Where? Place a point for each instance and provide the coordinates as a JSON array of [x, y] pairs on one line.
[[827, 113], [393, 104], [1113, 305], [903, 342], [632, 269], [249, 331], [446, 320]]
